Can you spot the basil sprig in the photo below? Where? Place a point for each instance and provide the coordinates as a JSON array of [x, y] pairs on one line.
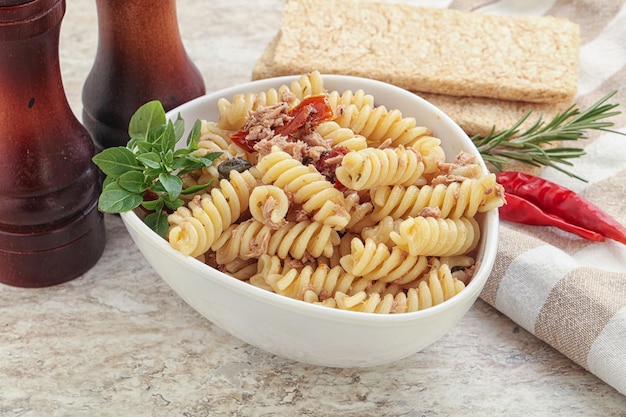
[[147, 171]]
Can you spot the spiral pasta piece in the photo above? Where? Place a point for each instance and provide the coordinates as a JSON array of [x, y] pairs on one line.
[[307, 186], [364, 257], [242, 269], [430, 149], [269, 205], [311, 284], [341, 136], [357, 98], [301, 240], [215, 212], [379, 125], [454, 200], [375, 261], [187, 234], [213, 138], [234, 114], [309, 84], [462, 266], [431, 236], [436, 288], [266, 265], [373, 303], [373, 167], [359, 212], [380, 231]]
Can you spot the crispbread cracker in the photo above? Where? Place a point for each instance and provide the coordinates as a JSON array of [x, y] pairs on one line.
[[478, 116], [475, 115], [442, 51], [264, 68]]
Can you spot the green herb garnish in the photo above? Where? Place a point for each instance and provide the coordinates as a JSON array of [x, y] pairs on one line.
[[147, 171], [527, 147]]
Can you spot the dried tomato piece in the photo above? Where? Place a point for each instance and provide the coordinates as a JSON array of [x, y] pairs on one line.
[[310, 112], [240, 140]]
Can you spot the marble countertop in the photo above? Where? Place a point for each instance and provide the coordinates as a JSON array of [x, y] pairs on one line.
[[118, 342]]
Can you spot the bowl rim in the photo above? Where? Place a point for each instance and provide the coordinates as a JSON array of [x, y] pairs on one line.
[[132, 220]]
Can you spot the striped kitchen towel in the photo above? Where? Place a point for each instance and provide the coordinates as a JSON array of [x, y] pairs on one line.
[[569, 292]]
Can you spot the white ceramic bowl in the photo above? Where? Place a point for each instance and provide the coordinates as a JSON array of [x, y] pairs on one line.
[[297, 330]]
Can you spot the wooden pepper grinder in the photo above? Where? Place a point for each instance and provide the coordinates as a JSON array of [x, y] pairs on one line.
[[140, 57], [50, 228]]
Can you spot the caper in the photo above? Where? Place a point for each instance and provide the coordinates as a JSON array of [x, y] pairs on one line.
[[237, 164]]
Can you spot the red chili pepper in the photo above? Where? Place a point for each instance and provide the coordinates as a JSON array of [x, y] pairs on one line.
[[519, 210], [562, 202], [310, 111]]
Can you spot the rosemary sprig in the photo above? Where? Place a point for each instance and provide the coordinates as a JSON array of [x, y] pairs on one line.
[[527, 146]]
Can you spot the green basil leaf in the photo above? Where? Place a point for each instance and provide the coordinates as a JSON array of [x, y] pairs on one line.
[[195, 188], [172, 184], [116, 161], [115, 199], [147, 117], [182, 152], [173, 204], [133, 181], [157, 188], [143, 146], [132, 143], [194, 135], [182, 162], [150, 159], [152, 173], [108, 180], [168, 159], [179, 127], [154, 205], [168, 140], [155, 136], [210, 157], [191, 162], [158, 222]]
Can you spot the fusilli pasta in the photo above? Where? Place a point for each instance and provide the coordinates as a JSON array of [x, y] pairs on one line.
[[344, 203], [437, 287], [269, 205], [299, 240], [311, 284], [373, 167], [375, 261], [454, 200], [308, 187], [379, 125], [194, 228], [431, 236], [341, 136]]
